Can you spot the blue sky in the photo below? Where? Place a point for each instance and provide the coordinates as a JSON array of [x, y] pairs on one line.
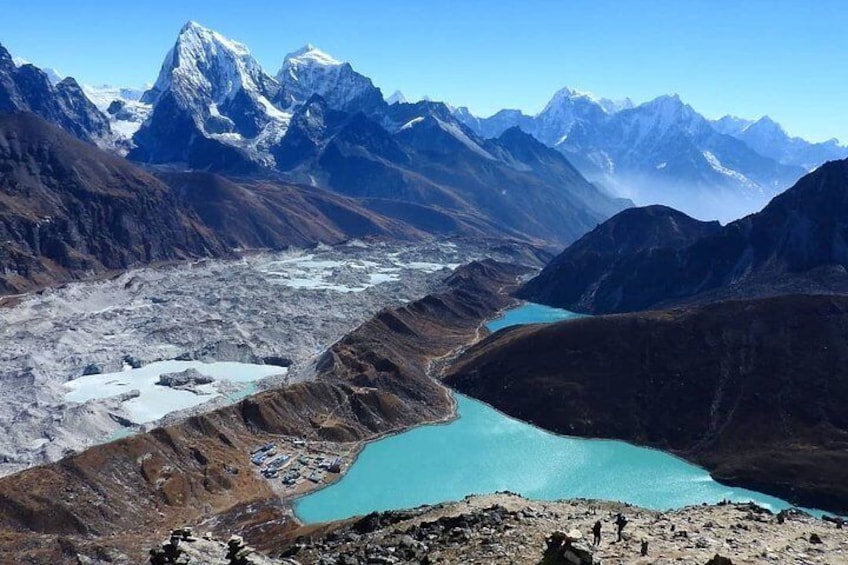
[[784, 58]]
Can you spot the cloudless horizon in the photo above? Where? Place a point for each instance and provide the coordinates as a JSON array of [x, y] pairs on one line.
[[781, 58]]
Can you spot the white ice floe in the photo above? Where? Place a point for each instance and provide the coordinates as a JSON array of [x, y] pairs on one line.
[[154, 401]]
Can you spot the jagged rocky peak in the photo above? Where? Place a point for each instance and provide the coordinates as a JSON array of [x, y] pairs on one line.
[[665, 113], [310, 55], [731, 125], [768, 124], [570, 95], [398, 97], [309, 71], [27, 88], [668, 106], [569, 107], [205, 64], [209, 88]]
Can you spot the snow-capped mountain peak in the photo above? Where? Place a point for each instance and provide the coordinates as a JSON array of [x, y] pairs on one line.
[[767, 125], [54, 76], [204, 63], [566, 108], [568, 95], [310, 55], [310, 71], [731, 125], [668, 111], [212, 86]]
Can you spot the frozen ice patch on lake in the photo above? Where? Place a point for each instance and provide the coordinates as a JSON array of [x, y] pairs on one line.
[[155, 401]]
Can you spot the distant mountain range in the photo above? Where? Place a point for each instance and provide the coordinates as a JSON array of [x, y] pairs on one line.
[[317, 121], [664, 152], [320, 124]]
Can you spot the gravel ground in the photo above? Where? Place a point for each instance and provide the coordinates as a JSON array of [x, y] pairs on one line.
[[505, 528]]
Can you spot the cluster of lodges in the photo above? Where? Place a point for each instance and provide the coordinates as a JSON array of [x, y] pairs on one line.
[[309, 468]]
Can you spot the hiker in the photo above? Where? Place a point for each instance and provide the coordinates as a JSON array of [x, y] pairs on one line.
[[644, 549], [596, 531], [620, 522]]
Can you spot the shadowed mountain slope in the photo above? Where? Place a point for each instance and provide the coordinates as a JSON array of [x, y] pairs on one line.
[[753, 390], [795, 244]]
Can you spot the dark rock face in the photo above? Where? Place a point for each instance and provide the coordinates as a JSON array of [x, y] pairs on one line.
[[797, 243], [587, 276], [264, 213], [184, 379], [171, 135], [27, 88], [752, 390], [512, 186], [68, 208], [85, 117]]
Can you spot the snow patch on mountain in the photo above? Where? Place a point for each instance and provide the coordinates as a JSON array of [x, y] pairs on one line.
[[411, 123], [460, 135], [102, 96], [311, 55], [735, 175]]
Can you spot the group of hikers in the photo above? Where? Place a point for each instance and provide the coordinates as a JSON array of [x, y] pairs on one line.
[[566, 543], [620, 522]]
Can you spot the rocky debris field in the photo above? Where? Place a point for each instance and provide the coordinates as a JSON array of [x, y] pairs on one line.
[[183, 547], [505, 528], [265, 308]]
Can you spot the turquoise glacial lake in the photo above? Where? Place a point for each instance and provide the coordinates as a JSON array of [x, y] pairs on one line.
[[484, 451], [530, 313]]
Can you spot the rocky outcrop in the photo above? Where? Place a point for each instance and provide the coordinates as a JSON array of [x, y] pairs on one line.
[[796, 244], [185, 380], [753, 390], [29, 89], [185, 548]]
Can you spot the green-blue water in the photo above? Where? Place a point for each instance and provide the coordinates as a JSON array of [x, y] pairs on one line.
[[485, 451], [530, 313]]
